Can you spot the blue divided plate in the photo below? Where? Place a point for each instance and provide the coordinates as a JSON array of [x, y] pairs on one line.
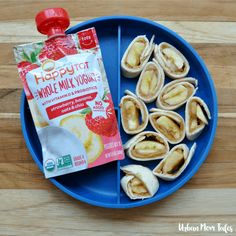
[[100, 186]]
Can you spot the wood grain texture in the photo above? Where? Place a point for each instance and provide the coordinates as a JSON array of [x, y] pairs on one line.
[[10, 100], [220, 10], [23, 31], [50, 212], [31, 205]]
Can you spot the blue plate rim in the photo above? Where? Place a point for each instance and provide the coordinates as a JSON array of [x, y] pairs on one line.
[[188, 176]]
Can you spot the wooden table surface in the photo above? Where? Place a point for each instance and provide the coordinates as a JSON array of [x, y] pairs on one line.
[[31, 205]]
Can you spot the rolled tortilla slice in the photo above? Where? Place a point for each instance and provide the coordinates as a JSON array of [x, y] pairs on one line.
[[151, 81], [197, 115], [171, 60], [139, 182], [136, 56], [176, 93]]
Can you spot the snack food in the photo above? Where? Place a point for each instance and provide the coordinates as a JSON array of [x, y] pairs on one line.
[[176, 93], [134, 113], [196, 117], [69, 97], [172, 60], [170, 126], [147, 146], [173, 165], [136, 56], [168, 123], [151, 81], [139, 182]]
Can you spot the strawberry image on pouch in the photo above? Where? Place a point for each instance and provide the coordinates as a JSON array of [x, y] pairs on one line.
[[101, 125]]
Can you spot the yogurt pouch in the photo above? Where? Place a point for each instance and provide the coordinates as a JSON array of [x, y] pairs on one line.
[[69, 97]]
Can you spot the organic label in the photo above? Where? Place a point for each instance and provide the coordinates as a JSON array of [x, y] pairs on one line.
[[64, 162]]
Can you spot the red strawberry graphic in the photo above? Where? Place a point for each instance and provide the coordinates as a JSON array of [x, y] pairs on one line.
[[103, 126], [57, 48], [24, 67]]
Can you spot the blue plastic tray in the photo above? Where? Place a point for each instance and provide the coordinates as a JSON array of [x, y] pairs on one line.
[[100, 186]]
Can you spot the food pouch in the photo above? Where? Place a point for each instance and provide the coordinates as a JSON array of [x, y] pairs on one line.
[[69, 98]]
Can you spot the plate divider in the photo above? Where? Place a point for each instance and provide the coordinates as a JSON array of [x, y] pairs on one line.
[[118, 110]]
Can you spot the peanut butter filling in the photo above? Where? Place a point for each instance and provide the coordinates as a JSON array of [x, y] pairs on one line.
[[172, 163], [131, 115], [138, 187], [149, 147], [168, 127], [197, 116]]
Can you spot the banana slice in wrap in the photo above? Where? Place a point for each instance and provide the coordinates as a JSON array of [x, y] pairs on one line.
[[171, 60], [134, 113], [147, 146], [177, 160], [176, 93], [197, 115], [136, 56], [139, 182], [150, 82], [169, 123]]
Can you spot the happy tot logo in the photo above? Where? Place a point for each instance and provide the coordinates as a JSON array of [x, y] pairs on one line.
[[50, 71], [48, 65]]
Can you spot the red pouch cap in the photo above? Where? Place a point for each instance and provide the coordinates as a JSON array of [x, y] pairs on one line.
[[52, 21]]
